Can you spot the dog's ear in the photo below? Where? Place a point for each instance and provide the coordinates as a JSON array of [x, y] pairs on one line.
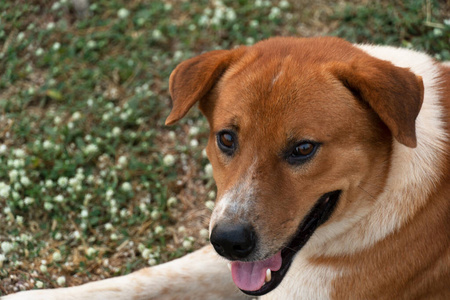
[[194, 78], [394, 93]]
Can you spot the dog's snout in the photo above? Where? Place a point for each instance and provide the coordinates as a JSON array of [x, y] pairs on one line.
[[233, 241]]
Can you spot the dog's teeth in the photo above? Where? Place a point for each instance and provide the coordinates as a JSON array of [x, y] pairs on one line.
[[268, 275], [229, 266]]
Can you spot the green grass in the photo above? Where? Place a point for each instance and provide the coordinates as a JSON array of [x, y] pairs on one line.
[[92, 184]]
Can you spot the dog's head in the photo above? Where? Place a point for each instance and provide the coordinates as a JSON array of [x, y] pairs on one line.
[[300, 134]]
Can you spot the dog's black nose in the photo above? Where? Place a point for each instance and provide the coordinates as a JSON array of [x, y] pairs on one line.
[[233, 241]]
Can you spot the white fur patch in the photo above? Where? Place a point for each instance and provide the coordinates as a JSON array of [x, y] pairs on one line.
[[237, 201]]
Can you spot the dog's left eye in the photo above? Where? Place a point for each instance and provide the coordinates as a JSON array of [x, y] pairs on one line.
[[226, 140], [302, 152]]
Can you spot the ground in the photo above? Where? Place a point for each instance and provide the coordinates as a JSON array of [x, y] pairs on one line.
[[92, 184]]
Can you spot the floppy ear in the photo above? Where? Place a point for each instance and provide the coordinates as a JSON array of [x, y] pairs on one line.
[[194, 78], [394, 93]]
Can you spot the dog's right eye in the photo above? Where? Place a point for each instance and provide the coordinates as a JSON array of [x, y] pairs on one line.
[[226, 140]]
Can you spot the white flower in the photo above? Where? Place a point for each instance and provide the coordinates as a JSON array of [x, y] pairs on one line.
[[39, 284], [48, 206], [437, 32], [159, 229], [20, 36], [43, 268], [126, 187], [13, 175], [181, 229], [18, 163], [157, 34], [204, 233], [90, 149], [7, 247], [143, 207], [47, 144], [152, 262], [187, 244], [90, 102], [172, 135], [172, 201], [19, 153], [123, 13], [3, 149], [116, 131], [49, 183], [62, 181], [250, 41], [230, 14], [167, 6], [146, 253], [56, 6], [155, 215], [169, 160], [209, 170], [84, 213], [58, 236], [19, 220], [91, 44], [113, 236], [194, 130], [194, 143], [57, 256], [28, 200], [59, 198], [90, 251], [76, 116], [61, 280], [39, 52], [210, 204], [4, 190], [109, 194], [124, 212], [56, 46], [108, 226], [274, 13], [25, 181], [50, 26], [283, 4], [212, 195], [177, 55], [122, 161], [76, 234]]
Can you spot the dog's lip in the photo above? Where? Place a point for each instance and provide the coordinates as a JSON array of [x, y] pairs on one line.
[[318, 215]]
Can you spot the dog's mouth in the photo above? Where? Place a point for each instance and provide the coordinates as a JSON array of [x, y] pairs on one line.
[[260, 277]]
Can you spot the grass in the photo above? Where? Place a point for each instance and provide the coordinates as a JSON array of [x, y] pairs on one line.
[[92, 184]]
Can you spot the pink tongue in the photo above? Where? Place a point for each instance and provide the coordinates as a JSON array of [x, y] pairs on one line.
[[249, 276]]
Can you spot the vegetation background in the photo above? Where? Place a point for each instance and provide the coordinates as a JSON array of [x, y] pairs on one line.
[[92, 184]]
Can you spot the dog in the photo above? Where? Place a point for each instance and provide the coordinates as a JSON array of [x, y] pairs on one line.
[[332, 165]]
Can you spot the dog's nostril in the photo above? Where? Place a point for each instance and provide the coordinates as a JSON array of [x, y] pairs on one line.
[[233, 241]]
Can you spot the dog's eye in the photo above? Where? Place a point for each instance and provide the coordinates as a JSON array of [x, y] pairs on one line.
[[304, 149], [302, 152], [226, 141]]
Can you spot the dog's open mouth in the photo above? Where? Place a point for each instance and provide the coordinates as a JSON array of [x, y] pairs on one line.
[[260, 277]]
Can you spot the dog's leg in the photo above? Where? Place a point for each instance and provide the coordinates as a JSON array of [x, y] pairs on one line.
[[199, 275]]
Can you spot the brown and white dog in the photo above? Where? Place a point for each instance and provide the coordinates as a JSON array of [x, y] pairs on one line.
[[332, 164]]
